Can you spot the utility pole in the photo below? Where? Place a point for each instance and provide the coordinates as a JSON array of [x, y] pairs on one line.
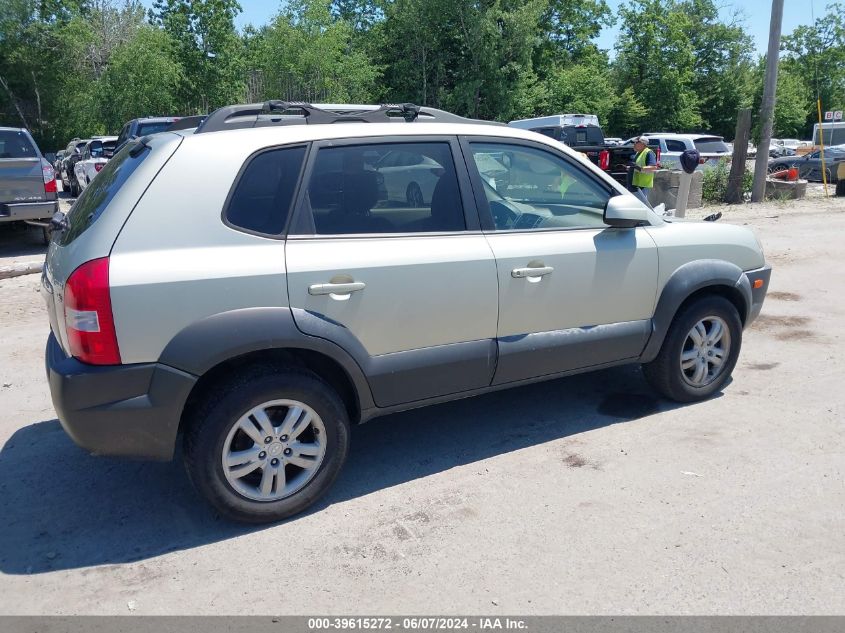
[[767, 111]]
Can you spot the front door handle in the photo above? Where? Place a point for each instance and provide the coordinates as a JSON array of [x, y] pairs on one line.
[[336, 289], [539, 271]]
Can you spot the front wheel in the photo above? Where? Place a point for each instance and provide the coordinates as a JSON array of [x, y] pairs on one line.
[[267, 445], [699, 352]]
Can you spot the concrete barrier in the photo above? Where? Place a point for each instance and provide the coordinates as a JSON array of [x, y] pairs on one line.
[[16, 270], [665, 190], [786, 189]]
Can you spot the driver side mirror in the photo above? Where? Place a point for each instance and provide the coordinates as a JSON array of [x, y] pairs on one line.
[[625, 212]]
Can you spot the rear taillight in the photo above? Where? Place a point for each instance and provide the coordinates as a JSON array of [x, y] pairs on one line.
[[88, 316], [49, 175], [604, 160], [98, 167], [657, 151]]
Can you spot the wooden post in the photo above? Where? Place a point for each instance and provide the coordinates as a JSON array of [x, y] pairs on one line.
[[767, 110], [743, 131]]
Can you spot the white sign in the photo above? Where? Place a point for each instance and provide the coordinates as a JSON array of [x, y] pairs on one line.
[[828, 116], [837, 116]]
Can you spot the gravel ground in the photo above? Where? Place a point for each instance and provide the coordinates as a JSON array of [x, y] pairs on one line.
[[585, 495]]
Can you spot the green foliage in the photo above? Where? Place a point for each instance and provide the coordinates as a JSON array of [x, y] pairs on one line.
[[816, 55], [714, 186], [306, 55], [80, 67], [792, 103], [142, 78], [207, 47]]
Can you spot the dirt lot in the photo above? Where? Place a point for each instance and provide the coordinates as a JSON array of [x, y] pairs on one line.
[[584, 495]]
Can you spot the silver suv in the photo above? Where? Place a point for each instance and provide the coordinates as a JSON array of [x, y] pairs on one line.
[[258, 285]]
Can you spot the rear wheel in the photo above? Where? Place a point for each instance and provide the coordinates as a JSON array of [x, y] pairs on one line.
[[699, 352], [267, 445]]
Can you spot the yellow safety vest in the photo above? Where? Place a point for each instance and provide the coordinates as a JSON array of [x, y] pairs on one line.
[[643, 178]]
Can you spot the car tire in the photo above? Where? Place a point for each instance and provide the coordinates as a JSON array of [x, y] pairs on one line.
[[840, 188], [685, 369], [229, 425]]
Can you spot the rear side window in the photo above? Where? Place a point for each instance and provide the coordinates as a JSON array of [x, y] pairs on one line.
[[710, 145], [15, 144], [97, 196], [675, 146], [261, 200]]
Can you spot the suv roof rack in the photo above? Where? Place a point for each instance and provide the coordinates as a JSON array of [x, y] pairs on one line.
[[299, 113]]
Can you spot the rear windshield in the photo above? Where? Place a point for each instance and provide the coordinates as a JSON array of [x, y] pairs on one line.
[[152, 128], [587, 135], [832, 136], [97, 196], [16, 144], [711, 145]]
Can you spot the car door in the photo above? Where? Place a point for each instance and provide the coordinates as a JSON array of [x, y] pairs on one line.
[[409, 291], [573, 292]]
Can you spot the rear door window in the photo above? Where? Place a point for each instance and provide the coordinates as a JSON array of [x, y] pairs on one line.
[[97, 196], [261, 200], [382, 188], [675, 146]]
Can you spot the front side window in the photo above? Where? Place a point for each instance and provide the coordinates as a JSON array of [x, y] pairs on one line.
[[382, 188], [262, 198], [528, 188]]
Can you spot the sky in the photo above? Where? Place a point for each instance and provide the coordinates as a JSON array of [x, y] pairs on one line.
[[756, 16]]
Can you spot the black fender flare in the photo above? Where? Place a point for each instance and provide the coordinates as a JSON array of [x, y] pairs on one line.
[[687, 280], [208, 342]]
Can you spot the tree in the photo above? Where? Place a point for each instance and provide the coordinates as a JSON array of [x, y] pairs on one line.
[[142, 78], [792, 102], [816, 54], [655, 59], [207, 47], [305, 55]]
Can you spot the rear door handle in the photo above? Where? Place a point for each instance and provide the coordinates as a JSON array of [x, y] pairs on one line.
[[336, 289], [539, 271]]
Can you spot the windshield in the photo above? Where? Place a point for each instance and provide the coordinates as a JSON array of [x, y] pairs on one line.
[[712, 145], [16, 144], [152, 128]]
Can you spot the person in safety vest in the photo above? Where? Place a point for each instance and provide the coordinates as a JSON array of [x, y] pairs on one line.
[[642, 167]]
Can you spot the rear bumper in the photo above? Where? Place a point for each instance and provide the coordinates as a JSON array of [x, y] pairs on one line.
[[23, 211], [758, 295], [122, 410]]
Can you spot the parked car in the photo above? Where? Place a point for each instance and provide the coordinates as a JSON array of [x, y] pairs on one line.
[[583, 133], [57, 164], [283, 303], [142, 127], [95, 154], [613, 140], [68, 174], [408, 177], [810, 165], [670, 147], [28, 191]]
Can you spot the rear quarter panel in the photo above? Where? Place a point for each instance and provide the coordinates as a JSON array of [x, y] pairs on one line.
[[176, 262]]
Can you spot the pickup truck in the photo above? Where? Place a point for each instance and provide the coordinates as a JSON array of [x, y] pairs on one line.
[[583, 133], [28, 191]]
